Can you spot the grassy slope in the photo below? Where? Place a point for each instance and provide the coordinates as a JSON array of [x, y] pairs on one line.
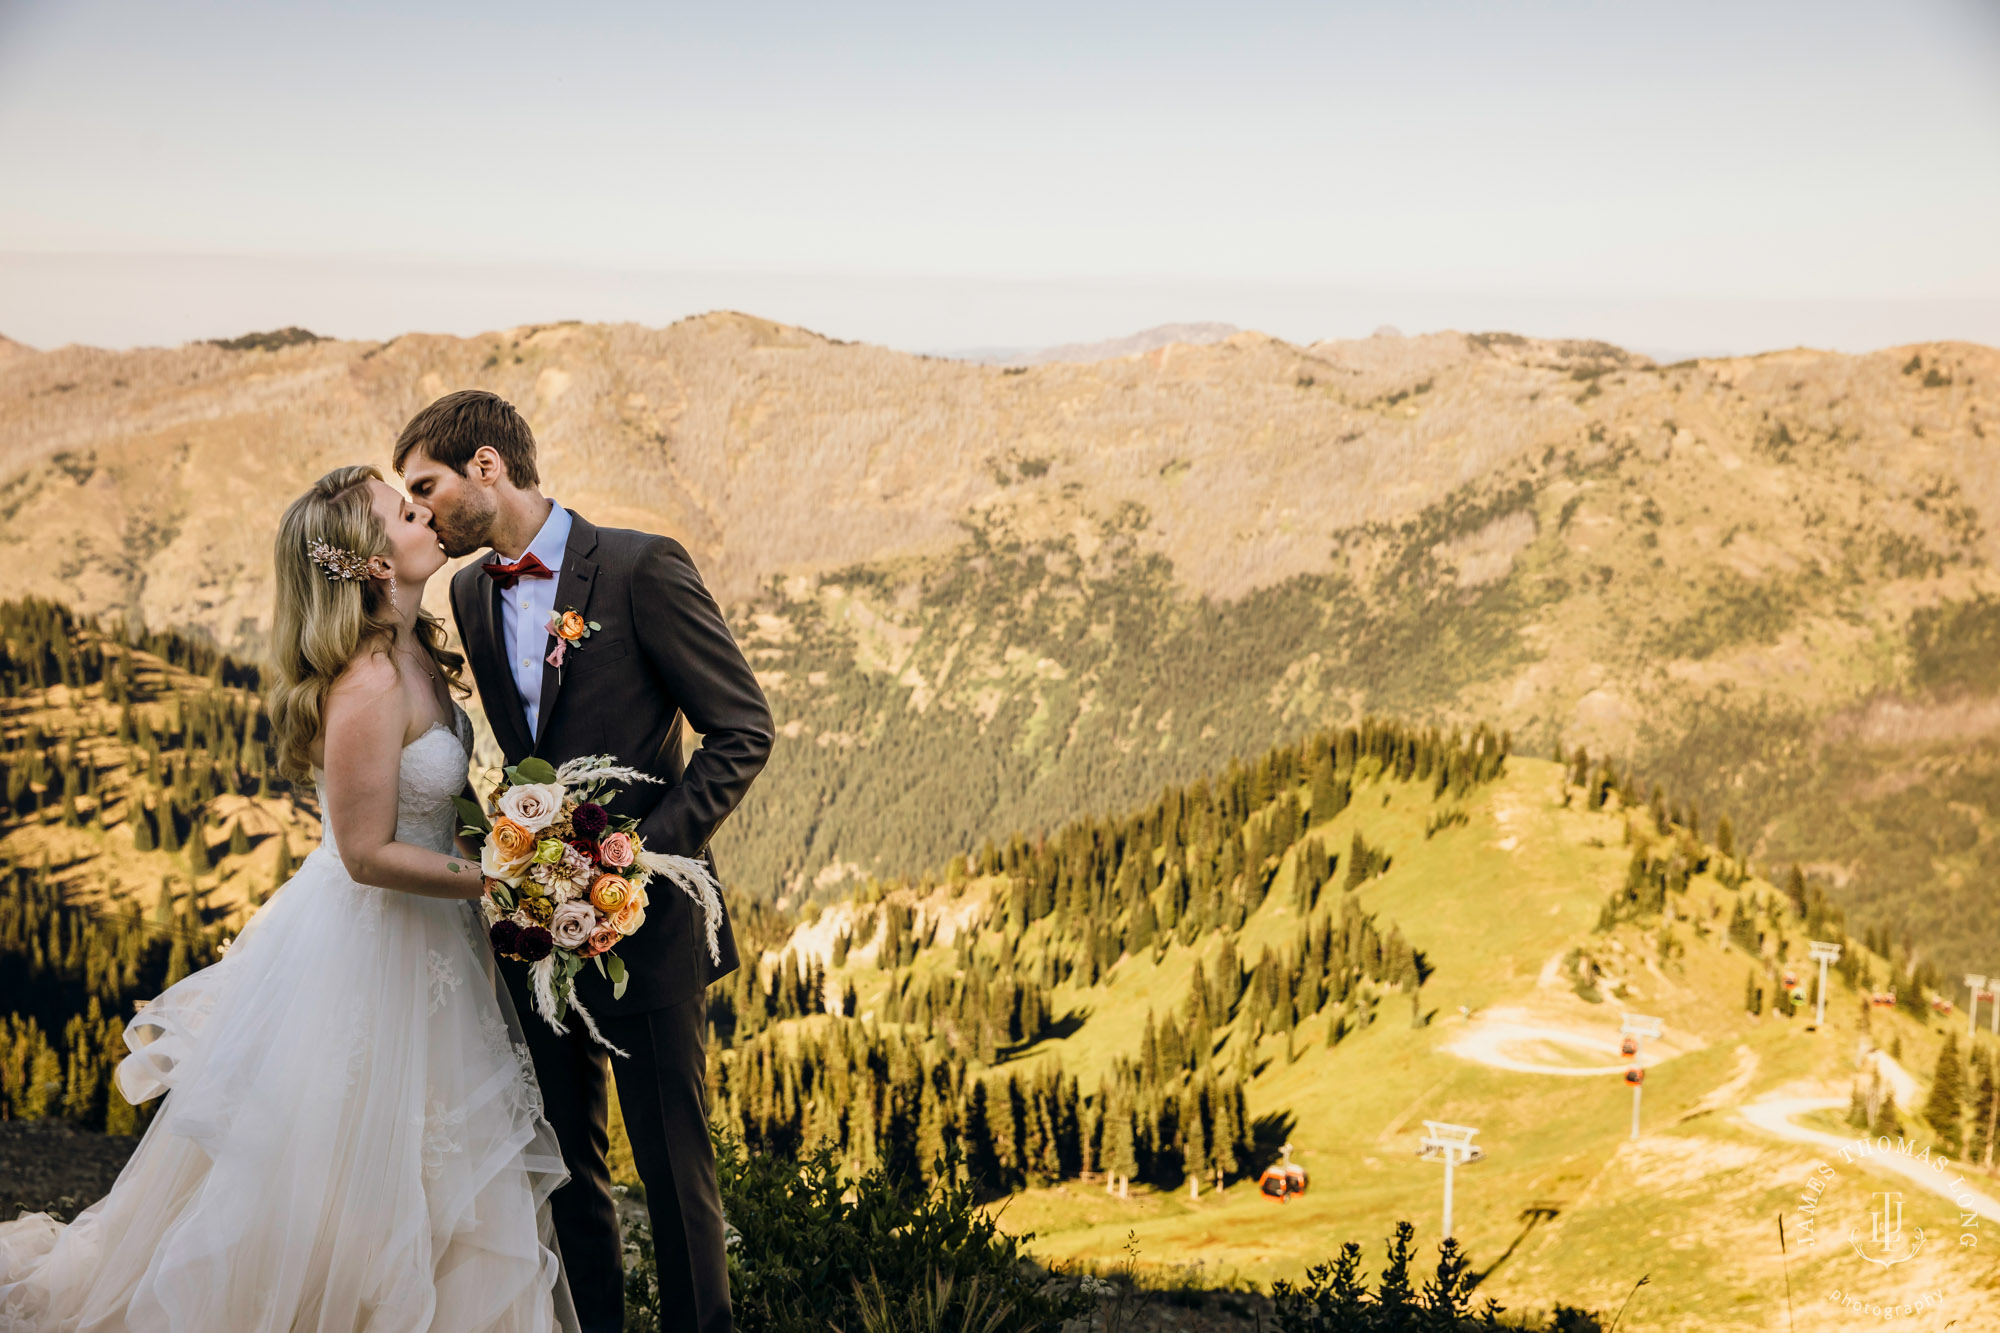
[[1692, 1203]]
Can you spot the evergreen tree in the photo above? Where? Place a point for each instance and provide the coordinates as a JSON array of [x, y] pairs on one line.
[[1886, 1120], [1121, 1155], [1946, 1104], [1194, 1142], [1985, 1118]]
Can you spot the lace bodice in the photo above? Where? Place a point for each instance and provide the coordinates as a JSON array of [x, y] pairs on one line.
[[432, 772]]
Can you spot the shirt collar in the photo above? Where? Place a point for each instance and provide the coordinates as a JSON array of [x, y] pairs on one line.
[[549, 543]]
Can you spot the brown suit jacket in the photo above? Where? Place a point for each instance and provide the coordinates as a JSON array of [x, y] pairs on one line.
[[664, 660]]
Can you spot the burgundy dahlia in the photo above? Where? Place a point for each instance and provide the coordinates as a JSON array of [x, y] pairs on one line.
[[589, 820], [505, 935], [533, 945], [587, 846]]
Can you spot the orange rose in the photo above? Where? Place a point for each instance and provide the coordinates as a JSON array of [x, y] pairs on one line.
[[513, 845], [609, 893], [633, 914], [573, 626]]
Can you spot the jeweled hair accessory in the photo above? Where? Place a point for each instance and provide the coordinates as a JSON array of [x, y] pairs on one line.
[[339, 563]]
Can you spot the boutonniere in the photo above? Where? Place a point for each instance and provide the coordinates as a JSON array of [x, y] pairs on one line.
[[569, 627]]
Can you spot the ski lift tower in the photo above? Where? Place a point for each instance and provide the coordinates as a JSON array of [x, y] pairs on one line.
[[1633, 1027], [1978, 987], [1822, 953], [1450, 1144]]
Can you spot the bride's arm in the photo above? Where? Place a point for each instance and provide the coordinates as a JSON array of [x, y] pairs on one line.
[[365, 719]]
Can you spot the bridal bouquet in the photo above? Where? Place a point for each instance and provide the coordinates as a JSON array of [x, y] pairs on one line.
[[565, 880]]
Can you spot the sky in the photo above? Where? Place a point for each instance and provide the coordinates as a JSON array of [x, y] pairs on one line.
[[1682, 179]]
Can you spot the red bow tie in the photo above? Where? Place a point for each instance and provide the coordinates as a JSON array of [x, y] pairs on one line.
[[527, 567]]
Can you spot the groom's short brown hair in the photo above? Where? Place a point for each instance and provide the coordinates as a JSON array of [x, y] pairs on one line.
[[455, 427]]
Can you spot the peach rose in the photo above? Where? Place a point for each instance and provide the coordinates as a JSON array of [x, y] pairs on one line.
[[573, 626], [632, 915], [604, 938], [515, 843], [615, 850], [608, 893]]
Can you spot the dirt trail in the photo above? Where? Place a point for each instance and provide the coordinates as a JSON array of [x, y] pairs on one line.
[[1508, 1038], [1774, 1116]]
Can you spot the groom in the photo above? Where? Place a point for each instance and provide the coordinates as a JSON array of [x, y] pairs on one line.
[[661, 661]]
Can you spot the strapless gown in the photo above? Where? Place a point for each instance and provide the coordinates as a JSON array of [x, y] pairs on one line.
[[352, 1138]]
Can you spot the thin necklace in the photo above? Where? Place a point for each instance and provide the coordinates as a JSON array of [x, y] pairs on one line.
[[423, 664]]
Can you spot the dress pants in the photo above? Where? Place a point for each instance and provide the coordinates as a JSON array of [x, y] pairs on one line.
[[662, 1091]]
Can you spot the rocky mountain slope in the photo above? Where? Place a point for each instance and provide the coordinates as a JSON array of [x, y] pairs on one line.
[[998, 597]]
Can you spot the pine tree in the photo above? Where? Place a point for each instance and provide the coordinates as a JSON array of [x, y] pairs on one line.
[[1985, 1118], [1194, 1142], [1121, 1155], [142, 824], [1886, 1121], [1946, 1104], [239, 841]]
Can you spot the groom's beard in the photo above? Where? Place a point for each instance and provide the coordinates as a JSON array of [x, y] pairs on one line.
[[465, 530]]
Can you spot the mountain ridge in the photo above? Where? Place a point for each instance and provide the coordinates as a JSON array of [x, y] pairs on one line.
[[987, 599]]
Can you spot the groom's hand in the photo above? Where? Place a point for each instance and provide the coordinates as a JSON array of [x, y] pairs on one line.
[[683, 636]]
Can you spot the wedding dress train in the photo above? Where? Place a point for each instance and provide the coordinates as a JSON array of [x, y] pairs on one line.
[[353, 1137]]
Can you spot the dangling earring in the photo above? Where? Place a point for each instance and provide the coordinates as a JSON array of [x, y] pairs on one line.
[[394, 606]]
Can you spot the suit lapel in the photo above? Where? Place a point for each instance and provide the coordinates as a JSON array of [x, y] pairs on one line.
[[496, 681], [573, 585]]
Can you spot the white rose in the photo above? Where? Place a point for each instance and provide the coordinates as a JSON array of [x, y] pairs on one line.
[[571, 926], [533, 805], [493, 867]]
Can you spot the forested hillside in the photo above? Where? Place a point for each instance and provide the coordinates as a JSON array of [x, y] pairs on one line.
[[932, 995], [142, 817]]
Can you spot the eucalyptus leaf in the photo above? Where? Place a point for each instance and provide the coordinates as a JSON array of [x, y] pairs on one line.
[[618, 976], [598, 961], [469, 811], [535, 769]]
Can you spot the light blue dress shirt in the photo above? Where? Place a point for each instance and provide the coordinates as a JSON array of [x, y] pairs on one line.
[[525, 608]]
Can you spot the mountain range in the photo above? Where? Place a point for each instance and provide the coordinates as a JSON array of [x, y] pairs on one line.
[[994, 598]]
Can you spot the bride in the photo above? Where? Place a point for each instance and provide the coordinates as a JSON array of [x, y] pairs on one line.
[[354, 1139]]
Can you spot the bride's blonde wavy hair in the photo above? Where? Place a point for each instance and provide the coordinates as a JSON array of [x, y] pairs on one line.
[[321, 624]]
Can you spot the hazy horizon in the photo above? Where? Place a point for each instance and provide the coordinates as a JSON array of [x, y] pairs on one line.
[[1729, 181], [125, 301]]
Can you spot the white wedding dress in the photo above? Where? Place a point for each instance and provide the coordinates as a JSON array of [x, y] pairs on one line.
[[353, 1137]]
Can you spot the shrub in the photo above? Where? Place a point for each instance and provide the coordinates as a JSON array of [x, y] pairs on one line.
[[1336, 1298], [811, 1251]]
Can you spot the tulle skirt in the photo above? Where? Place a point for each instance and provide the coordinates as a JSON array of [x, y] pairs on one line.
[[352, 1141]]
